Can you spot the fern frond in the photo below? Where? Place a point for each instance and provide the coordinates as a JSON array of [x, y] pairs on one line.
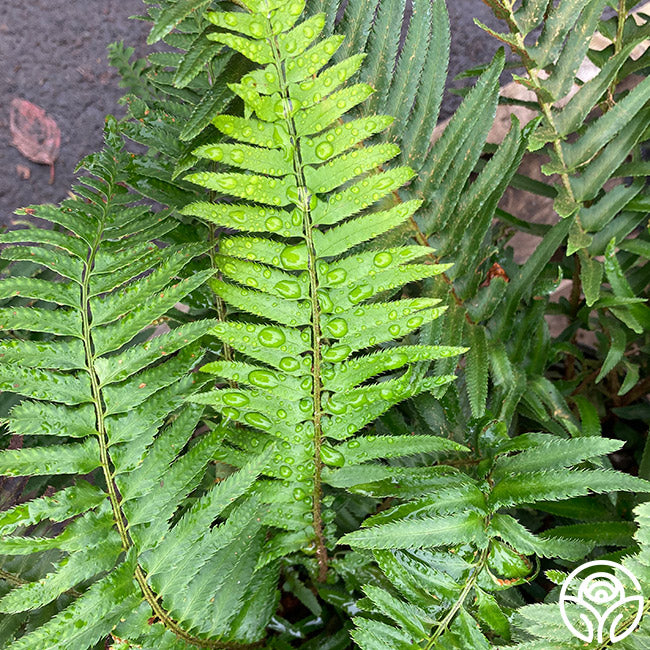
[[105, 403], [303, 274], [541, 626], [455, 598]]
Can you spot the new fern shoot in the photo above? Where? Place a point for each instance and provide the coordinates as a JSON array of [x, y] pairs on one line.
[[311, 202]]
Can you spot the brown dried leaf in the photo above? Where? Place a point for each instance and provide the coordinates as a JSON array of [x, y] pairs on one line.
[[34, 133], [23, 172]]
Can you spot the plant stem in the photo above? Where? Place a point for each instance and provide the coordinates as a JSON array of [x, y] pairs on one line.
[[106, 464], [15, 580], [618, 46], [316, 334], [469, 585]]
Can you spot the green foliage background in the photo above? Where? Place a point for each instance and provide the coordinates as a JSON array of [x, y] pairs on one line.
[[272, 377]]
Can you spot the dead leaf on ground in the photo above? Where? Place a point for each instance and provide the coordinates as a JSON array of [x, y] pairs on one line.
[[34, 133], [23, 172]]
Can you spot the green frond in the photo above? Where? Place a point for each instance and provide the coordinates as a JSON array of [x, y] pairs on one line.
[[115, 393], [541, 626], [456, 596], [318, 293]]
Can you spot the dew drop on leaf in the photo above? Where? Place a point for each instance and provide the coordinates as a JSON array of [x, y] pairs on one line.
[[288, 289], [289, 364], [294, 257], [272, 337], [257, 420], [337, 276], [237, 156], [337, 353], [337, 327], [235, 399], [382, 260], [273, 224], [299, 494], [324, 150], [262, 379], [331, 456]]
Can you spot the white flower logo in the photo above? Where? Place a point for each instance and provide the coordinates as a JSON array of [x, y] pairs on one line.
[[600, 597]]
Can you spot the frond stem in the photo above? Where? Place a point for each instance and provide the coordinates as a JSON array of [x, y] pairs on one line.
[[113, 495], [15, 580], [469, 585], [316, 334]]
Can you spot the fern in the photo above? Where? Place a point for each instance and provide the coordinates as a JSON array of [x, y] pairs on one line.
[[309, 178], [103, 402], [540, 626], [589, 134], [456, 599], [173, 95], [324, 482]]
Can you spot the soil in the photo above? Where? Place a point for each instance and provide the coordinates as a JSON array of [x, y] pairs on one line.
[[53, 53]]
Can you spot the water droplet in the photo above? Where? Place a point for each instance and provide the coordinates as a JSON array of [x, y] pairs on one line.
[[285, 471], [397, 359], [216, 153], [353, 444], [273, 224], [384, 184], [256, 30], [337, 353], [237, 156], [235, 399], [305, 405], [331, 456], [335, 407], [289, 364], [394, 330], [307, 383], [382, 260], [230, 413], [414, 322], [263, 378], [271, 337], [360, 293], [257, 420], [288, 289], [337, 327], [325, 301], [227, 183], [387, 394], [299, 494], [294, 257], [336, 276], [324, 150]]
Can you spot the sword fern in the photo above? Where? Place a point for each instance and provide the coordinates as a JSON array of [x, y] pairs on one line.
[[307, 200]]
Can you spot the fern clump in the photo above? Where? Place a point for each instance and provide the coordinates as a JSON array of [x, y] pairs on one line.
[[234, 421], [302, 266], [104, 403]]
